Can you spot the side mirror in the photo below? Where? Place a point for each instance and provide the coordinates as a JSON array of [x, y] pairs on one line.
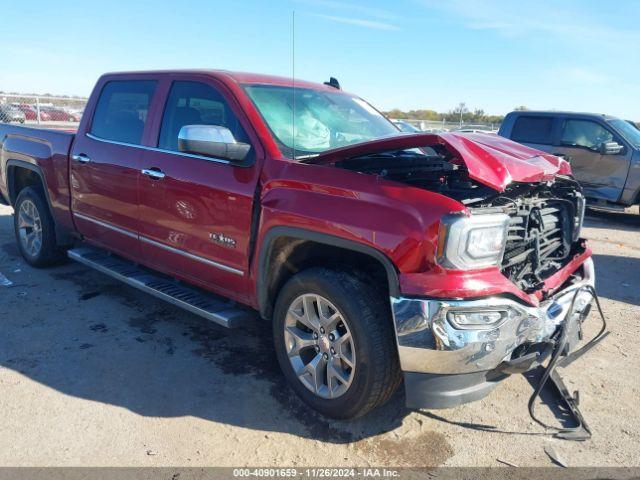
[[611, 148], [212, 141]]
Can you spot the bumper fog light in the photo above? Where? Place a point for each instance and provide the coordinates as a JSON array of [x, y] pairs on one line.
[[477, 318]]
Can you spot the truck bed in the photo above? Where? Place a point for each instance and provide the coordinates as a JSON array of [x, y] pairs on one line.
[[43, 151]]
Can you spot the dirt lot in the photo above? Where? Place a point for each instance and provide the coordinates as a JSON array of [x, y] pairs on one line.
[[94, 373]]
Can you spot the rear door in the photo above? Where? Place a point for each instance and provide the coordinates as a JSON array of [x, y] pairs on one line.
[[105, 166], [602, 176], [535, 131], [196, 211]]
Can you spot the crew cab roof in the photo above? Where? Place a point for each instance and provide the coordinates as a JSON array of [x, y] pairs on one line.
[[240, 78], [562, 113]]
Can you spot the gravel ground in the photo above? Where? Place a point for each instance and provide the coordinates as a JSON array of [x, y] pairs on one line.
[[95, 373]]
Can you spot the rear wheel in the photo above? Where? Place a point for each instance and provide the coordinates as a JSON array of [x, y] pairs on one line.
[[335, 343], [34, 229]]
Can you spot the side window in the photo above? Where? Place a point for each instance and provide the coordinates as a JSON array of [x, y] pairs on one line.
[[533, 130], [193, 103], [122, 110], [585, 133]]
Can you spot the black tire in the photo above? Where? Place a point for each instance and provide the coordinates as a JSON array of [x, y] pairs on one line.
[[49, 253], [377, 370]]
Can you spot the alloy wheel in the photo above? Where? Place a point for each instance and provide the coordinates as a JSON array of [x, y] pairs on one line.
[[320, 346], [30, 228]]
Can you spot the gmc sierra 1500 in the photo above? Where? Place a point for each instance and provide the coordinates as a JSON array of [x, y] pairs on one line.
[[451, 259]]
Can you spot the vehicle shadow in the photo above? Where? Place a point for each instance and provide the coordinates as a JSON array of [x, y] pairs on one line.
[[617, 278], [556, 412], [108, 343], [629, 222]]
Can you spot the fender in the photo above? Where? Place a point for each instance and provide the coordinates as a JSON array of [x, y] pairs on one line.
[[630, 196], [11, 163], [322, 238], [62, 235]]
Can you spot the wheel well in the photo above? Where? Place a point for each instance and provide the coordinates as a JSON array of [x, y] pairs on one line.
[[20, 178], [287, 256]]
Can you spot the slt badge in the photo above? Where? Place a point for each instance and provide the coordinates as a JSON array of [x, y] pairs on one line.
[[222, 239]]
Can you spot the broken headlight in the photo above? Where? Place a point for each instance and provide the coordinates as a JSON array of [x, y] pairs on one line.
[[477, 241]]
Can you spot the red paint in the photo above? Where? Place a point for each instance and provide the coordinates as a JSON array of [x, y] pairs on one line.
[[198, 197]]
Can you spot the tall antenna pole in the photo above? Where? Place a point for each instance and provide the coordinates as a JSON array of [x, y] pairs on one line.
[[293, 78]]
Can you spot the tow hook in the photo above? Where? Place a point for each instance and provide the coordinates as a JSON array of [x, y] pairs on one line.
[[560, 358]]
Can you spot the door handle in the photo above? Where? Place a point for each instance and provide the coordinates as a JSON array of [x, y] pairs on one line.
[[154, 173], [81, 158]]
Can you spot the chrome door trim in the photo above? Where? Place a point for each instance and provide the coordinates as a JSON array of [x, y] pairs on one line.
[[148, 241], [156, 149], [192, 256], [106, 225]]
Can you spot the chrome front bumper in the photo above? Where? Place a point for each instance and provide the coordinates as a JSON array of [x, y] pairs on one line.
[[428, 342]]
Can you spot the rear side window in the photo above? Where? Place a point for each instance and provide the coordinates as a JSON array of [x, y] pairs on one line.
[[533, 130], [122, 111], [585, 133], [194, 103]]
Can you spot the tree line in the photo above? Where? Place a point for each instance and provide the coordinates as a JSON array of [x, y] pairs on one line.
[[460, 113]]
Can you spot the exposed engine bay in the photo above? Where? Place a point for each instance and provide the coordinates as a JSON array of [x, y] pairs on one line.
[[543, 231], [545, 217], [431, 168]]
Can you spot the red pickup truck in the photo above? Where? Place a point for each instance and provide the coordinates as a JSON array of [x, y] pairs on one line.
[[447, 261]]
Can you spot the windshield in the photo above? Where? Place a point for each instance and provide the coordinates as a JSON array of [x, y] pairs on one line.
[[630, 133], [323, 120]]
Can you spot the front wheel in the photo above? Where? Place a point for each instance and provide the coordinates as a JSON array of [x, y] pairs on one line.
[[335, 342]]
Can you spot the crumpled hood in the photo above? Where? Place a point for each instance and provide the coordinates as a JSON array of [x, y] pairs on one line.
[[490, 159]]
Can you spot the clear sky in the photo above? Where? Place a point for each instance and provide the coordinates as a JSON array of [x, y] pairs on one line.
[[492, 54]]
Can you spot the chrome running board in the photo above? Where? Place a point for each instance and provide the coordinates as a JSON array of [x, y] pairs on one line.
[[212, 307]]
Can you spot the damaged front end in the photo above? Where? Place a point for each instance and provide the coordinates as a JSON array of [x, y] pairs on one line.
[[544, 216], [543, 230], [521, 222]]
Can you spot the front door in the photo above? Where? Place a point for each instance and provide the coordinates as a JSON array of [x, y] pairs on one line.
[[196, 211], [601, 176], [105, 166]]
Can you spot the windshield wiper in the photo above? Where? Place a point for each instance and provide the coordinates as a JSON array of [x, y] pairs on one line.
[[395, 154], [305, 157]]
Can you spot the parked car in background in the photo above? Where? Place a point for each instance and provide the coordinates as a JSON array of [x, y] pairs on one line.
[[475, 130], [74, 114], [604, 151], [60, 115], [470, 128], [405, 126], [31, 112], [9, 113]]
